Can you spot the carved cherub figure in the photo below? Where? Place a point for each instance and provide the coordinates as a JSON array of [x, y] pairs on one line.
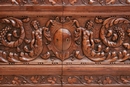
[[36, 32], [89, 26]]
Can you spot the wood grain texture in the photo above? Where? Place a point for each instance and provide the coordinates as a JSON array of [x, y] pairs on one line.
[[64, 43]]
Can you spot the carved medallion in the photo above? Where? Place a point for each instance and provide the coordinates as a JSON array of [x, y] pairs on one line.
[[61, 35], [62, 39]]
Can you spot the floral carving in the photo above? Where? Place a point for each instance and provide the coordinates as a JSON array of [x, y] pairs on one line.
[[67, 80], [65, 38], [35, 79], [117, 36], [107, 81], [72, 80], [16, 81], [88, 79], [7, 39], [52, 80]]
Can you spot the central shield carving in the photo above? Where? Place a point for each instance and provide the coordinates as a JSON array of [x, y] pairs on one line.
[[61, 38]]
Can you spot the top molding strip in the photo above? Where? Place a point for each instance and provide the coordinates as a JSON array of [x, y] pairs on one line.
[[65, 2]]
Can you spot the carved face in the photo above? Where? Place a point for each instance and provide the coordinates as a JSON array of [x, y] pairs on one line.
[[62, 39], [35, 24], [89, 25]]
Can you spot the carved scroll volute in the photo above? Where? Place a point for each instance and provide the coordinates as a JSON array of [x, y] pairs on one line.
[[6, 38], [112, 35], [13, 36]]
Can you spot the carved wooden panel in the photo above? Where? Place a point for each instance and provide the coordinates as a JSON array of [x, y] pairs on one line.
[[65, 43]]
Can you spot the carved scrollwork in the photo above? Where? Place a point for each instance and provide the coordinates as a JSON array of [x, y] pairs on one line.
[[88, 44], [35, 44], [63, 38], [13, 36], [15, 23], [119, 32], [112, 38]]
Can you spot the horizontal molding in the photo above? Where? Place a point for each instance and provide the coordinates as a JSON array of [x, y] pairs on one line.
[[58, 8], [65, 69]]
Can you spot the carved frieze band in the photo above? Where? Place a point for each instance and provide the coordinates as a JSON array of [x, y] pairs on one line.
[[67, 80], [104, 39], [66, 2]]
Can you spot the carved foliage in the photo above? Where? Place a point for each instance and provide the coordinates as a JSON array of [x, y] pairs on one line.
[[65, 38], [69, 80], [13, 35], [28, 79]]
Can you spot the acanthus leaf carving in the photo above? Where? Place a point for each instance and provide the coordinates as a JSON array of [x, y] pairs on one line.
[[67, 80], [64, 39], [117, 36], [52, 80], [35, 43], [16, 81]]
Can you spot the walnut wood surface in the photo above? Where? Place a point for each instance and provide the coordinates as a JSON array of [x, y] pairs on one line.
[[64, 43]]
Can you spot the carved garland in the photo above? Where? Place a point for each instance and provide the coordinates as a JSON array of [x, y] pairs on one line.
[[118, 38], [7, 40], [65, 38]]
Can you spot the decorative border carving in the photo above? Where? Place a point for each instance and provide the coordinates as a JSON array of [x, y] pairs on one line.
[[29, 79], [79, 42], [66, 2], [67, 80]]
